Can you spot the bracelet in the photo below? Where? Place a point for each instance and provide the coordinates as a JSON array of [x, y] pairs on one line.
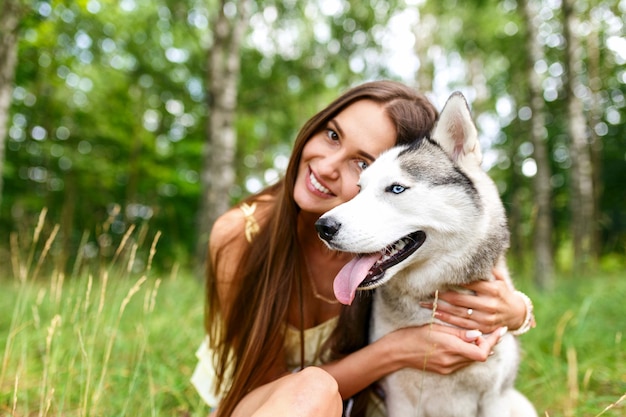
[[529, 320]]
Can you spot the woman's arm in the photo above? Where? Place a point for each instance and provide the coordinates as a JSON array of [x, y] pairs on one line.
[[433, 348]]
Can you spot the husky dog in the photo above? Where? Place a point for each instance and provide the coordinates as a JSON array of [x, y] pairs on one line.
[[427, 219]]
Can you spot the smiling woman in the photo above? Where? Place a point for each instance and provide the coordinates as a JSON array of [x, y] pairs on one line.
[[283, 274]]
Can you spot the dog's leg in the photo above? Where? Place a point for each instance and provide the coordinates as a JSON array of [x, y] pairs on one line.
[[520, 405], [398, 403], [494, 404]]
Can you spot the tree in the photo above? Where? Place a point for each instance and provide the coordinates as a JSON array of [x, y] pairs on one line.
[[109, 112], [582, 194], [542, 189], [218, 172], [9, 23], [595, 85]]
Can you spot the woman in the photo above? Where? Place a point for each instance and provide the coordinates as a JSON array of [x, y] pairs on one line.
[[270, 303]]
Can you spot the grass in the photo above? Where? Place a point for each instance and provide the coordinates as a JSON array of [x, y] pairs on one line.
[[112, 343], [575, 360], [118, 342]]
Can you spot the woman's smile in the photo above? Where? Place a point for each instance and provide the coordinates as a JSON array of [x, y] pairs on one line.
[[317, 187]]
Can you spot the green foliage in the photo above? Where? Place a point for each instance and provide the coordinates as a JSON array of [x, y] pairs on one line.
[[490, 38], [106, 115], [109, 109]]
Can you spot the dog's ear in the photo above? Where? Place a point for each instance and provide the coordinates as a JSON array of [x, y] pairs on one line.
[[455, 131]]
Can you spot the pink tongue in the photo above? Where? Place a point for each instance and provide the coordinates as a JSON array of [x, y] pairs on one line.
[[351, 275]]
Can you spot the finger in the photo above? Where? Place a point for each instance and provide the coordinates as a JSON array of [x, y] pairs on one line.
[[465, 334], [457, 304], [468, 318], [469, 321], [493, 338], [487, 343], [481, 287], [498, 274], [462, 306]]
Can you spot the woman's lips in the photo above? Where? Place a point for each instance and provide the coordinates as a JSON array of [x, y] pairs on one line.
[[317, 186]]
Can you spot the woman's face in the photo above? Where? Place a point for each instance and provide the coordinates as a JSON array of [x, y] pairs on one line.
[[333, 159]]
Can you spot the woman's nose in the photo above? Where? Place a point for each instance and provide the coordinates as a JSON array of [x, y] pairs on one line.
[[330, 166]]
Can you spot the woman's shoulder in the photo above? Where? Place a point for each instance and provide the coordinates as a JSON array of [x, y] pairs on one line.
[[229, 239], [240, 222], [228, 225]]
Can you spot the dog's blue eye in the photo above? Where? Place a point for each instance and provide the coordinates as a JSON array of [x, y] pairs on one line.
[[396, 188]]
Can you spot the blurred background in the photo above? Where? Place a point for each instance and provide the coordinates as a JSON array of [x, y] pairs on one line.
[[127, 127], [160, 114]]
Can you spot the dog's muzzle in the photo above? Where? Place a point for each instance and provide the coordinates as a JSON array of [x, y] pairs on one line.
[[327, 228]]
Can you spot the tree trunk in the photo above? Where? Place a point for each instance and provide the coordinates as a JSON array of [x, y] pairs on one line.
[[423, 33], [9, 22], [516, 221], [218, 172], [542, 189], [581, 169], [595, 85]]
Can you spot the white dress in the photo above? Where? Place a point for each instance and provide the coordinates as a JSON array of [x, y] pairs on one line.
[[203, 377]]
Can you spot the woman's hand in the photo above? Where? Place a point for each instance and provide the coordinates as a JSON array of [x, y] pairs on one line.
[[433, 347], [440, 348], [489, 306]]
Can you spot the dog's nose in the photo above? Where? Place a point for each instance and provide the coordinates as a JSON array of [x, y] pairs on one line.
[[327, 228]]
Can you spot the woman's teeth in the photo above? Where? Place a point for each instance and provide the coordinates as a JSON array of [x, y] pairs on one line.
[[319, 187]]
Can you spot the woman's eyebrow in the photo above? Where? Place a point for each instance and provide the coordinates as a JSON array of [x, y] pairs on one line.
[[366, 155], [334, 124]]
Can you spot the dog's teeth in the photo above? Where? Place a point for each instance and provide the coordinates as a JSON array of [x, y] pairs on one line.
[[393, 249]]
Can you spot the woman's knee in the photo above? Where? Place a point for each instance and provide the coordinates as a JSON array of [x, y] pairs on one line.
[[314, 392], [318, 380], [311, 392]]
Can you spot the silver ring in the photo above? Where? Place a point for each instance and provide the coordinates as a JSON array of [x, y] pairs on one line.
[[469, 313]]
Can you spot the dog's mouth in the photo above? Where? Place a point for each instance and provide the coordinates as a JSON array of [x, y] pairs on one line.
[[366, 271], [393, 255]]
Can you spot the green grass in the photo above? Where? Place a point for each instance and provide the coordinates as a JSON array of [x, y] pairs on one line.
[[100, 347], [117, 342], [575, 359]]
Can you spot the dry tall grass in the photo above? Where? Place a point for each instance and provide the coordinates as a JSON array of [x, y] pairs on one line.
[[92, 345]]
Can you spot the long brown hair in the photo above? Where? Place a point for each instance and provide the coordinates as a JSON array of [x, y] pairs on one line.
[[247, 337]]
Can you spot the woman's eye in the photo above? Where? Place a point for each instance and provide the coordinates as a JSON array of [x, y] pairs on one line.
[[331, 134], [362, 164]]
